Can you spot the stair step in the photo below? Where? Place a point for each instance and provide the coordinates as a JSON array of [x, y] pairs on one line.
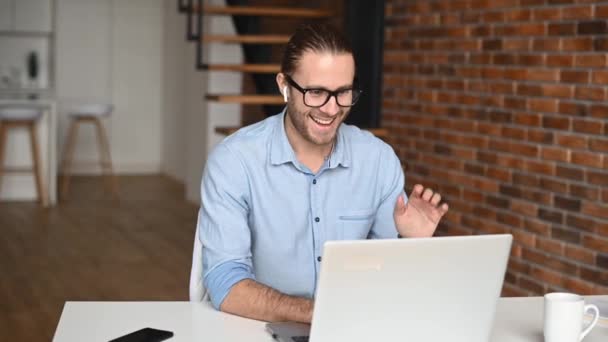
[[246, 38], [247, 99], [381, 133], [265, 11], [251, 68]]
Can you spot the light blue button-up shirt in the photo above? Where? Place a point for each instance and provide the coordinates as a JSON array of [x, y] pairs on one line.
[[266, 216]]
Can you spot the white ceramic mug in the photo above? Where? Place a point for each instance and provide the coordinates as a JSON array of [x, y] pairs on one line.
[[563, 320]]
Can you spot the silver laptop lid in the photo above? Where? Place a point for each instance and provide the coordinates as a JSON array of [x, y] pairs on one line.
[[428, 289]]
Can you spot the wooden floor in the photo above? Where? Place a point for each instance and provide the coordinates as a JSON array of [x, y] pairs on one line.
[[92, 247]]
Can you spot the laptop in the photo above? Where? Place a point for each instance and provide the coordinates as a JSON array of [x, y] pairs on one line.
[[415, 289]]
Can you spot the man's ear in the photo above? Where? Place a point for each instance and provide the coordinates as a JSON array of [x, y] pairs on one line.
[[283, 89]]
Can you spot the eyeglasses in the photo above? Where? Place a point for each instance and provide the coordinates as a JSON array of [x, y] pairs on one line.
[[318, 97]]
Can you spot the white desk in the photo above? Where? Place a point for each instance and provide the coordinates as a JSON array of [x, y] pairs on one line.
[[517, 320], [21, 187]]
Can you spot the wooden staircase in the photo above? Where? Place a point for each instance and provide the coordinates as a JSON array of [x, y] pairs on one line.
[[250, 68], [246, 99], [265, 11], [192, 8], [246, 39]]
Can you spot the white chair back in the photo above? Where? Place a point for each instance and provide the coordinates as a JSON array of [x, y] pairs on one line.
[[197, 290]]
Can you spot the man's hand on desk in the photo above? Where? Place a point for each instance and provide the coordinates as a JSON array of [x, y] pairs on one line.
[[251, 299], [421, 214]]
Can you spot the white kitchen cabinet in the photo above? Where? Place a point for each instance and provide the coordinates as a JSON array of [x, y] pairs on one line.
[[33, 16], [6, 15]]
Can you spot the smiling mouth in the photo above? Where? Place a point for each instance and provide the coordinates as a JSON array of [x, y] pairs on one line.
[[323, 122]]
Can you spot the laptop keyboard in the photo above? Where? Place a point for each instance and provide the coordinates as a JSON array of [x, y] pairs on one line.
[[299, 338]]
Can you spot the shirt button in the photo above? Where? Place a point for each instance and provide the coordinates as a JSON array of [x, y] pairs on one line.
[[314, 181], [319, 259], [317, 219]]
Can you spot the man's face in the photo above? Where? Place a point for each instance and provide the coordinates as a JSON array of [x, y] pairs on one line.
[[325, 70]]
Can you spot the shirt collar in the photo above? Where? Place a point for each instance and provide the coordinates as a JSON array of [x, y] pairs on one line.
[[340, 155], [281, 151]]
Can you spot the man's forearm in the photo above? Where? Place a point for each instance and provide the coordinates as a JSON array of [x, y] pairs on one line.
[[251, 299]]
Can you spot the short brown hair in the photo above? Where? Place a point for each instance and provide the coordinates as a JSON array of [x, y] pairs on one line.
[[316, 38]]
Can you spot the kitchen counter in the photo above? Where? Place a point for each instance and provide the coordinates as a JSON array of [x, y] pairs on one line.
[[42, 102], [21, 186]]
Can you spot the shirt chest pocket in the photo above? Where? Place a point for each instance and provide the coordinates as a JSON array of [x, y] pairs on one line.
[[355, 224]]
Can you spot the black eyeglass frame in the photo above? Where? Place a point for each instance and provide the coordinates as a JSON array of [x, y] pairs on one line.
[[356, 93]]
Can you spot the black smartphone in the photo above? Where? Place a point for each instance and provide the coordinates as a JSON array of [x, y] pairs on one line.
[[145, 335]]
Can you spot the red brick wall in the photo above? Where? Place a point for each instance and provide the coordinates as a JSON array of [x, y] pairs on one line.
[[502, 105]]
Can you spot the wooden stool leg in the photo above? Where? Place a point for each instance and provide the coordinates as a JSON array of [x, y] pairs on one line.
[[2, 148], [106, 159], [40, 185], [66, 164]]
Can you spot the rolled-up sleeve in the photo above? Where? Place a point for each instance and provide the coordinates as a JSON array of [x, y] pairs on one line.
[[391, 188], [223, 224]]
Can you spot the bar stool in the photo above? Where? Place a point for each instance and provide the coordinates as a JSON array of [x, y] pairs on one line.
[[23, 117], [90, 113]]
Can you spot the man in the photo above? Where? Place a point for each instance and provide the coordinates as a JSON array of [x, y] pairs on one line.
[[275, 191]]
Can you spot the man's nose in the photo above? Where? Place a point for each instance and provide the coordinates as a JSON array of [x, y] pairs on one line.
[[331, 107]]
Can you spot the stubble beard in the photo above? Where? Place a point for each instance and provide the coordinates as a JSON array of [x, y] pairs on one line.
[[302, 123]]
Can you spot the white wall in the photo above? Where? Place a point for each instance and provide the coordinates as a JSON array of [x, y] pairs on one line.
[[83, 67], [111, 51], [134, 54], [184, 149], [175, 63], [189, 121], [137, 84]]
